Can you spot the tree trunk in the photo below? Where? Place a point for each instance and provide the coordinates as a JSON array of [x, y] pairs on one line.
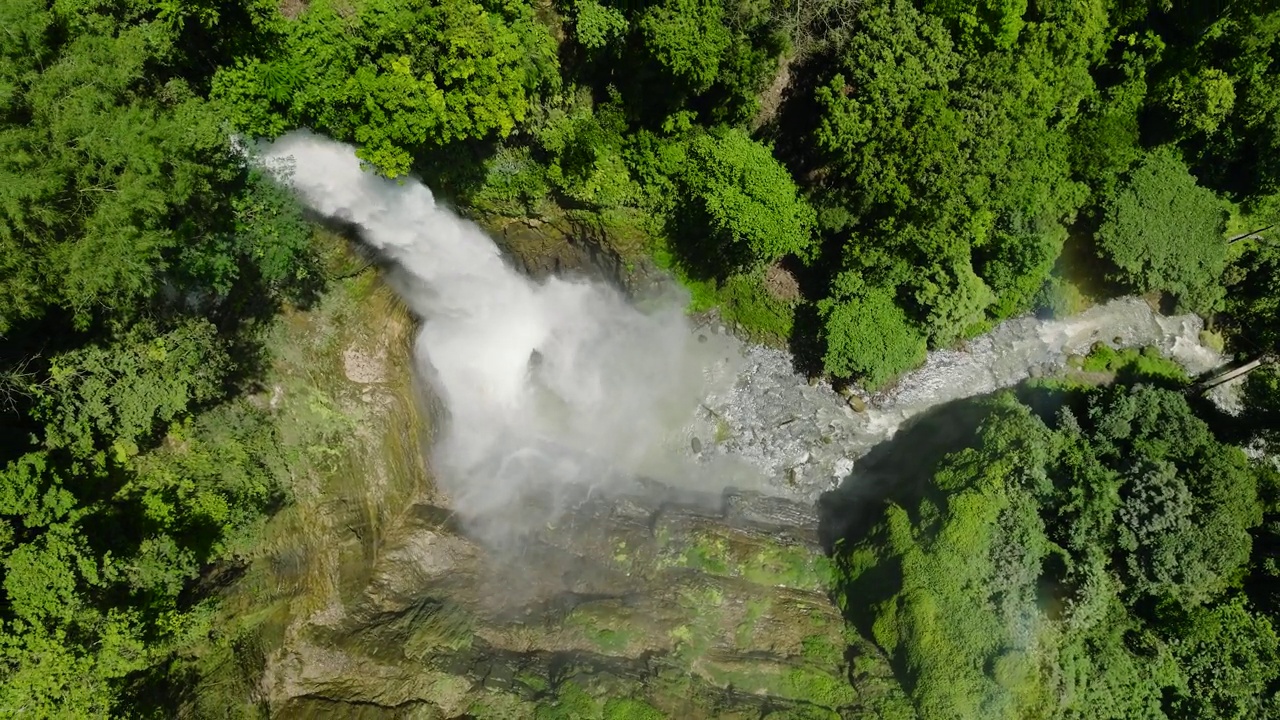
[[1228, 375], [1251, 234]]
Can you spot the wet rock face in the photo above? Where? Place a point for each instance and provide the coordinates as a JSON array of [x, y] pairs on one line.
[[802, 435], [692, 605], [566, 246]]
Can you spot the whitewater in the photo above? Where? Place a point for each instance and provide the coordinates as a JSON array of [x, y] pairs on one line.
[[562, 383]]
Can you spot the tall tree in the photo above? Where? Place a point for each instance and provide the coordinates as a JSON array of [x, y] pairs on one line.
[[1163, 231]]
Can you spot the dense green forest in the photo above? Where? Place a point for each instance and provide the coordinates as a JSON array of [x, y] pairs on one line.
[[921, 170], [1088, 556]]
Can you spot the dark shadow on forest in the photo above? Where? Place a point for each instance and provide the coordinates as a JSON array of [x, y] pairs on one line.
[[898, 470]]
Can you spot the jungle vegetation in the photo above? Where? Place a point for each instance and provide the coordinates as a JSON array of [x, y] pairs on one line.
[[921, 169]]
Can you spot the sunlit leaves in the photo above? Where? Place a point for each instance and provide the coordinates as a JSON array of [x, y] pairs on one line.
[[397, 76], [1164, 232], [867, 335], [122, 393], [688, 38], [1102, 555], [747, 197], [596, 25]]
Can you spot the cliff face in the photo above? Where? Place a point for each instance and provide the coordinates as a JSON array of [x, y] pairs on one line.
[[369, 599]]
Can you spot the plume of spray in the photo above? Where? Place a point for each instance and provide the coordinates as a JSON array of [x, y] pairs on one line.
[[548, 385]]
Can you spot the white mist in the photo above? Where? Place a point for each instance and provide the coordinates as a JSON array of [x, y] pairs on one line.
[[603, 399]]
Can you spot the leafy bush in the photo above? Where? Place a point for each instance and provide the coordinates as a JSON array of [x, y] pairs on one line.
[[746, 201], [396, 76], [1164, 232], [868, 336]]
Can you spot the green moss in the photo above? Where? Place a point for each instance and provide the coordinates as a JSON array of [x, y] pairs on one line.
[[611, 633], [708, 554], [792, 566], [533, 681], [1213, 340], [763, 681], [723, 432], [770, 564], [631, 709], [756, 608], [703, 610], [620, 554], [1134, 365], [611, 641], [438, 626], [742, 299], [817, 687], [822, 650], [570, 702]]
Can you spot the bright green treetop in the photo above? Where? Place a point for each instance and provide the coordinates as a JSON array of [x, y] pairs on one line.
[[1164, 232]]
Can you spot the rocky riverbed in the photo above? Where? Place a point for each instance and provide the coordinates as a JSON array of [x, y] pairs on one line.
[[805, 438]]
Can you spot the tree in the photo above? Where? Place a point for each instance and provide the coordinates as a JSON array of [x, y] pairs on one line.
[[1229, 654], [595, 25], [745, 199], [687, 38], [868, 336], [1130, 519], [1163, 232], [398, 77], [1253, 297], [986, 24], [937, 165]]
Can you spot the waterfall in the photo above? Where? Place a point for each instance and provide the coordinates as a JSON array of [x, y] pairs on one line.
[[547, 384], [563, 383]]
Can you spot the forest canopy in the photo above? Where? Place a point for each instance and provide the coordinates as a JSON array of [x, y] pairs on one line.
[[863, 181], [1087, 564]]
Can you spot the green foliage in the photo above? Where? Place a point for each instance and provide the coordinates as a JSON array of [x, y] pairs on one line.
[[938, 171], [1261, 397], [745, 200], [396, 76], [585, 155], [1229, 654], [108, 192], [743, 299], [867, 335], [1253, 297], [1130, 520], [687, 38], [1164, 232], [116, 396], [991, 23], [1129, 365], [1201, 101], [925, 160], [595, 25]]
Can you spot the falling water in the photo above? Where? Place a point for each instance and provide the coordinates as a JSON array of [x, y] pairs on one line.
[[563, 382], [547, 384]]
